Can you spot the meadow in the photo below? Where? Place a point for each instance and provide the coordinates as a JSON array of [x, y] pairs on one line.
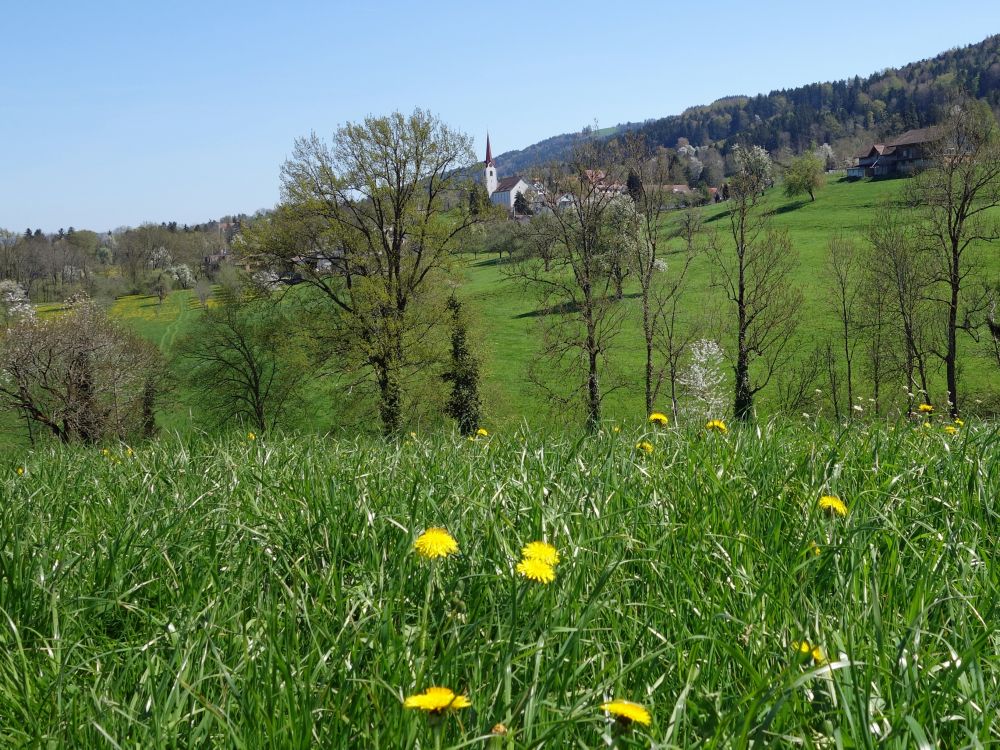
[[265, 591]]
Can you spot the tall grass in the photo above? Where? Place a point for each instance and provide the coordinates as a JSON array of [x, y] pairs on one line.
[[237, 593]]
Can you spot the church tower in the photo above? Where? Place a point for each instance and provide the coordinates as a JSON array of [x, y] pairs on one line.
[[491, 169]]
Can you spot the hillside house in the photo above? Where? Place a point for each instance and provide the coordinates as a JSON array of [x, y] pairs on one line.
[[903, 155]]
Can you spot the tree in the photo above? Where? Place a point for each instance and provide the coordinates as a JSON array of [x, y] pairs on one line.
[[579, 315], [80, 375], [366, 222], [953, 196], [464, 403], [753, 271], [14, 302], [521, 205], [640, 227], [804, 175], [245, 361], [843, 271]]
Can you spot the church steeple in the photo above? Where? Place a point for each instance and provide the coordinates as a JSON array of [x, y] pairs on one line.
[[490, 170]]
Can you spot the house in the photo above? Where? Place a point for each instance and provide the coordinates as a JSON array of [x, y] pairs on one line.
[[502, 192], [903, 155]]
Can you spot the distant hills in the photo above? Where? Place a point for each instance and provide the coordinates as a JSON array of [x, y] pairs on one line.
[[845, 114]]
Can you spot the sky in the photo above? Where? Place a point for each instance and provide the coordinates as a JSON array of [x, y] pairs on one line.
[[117, 113]]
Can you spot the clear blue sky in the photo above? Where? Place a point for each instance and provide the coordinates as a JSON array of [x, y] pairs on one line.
[[116, 112]]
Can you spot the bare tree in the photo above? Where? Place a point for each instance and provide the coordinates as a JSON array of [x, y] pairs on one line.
[[369, 221], [962, 183], [580, 316], [80, 375], [661, 277], [843, 270], [753, 265]]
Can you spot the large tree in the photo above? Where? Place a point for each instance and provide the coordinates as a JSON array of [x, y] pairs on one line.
[[804, 175], [961, 184], [370, 220], [753, 265]]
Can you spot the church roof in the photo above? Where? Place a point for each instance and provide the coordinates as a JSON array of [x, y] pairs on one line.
[[489, 153], [507, 183]]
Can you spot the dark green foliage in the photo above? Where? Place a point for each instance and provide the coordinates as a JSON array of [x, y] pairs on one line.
[[464, 403], [521, 205], [479, 199]]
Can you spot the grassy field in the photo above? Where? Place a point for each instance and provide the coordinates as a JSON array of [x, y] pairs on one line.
[[266, 593]]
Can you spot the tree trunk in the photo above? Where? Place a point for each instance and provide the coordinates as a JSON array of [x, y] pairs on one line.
[[647, 330], [951, 355], [743, 402]]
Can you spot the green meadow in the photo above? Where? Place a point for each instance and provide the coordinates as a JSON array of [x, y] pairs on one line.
[[237, 593]]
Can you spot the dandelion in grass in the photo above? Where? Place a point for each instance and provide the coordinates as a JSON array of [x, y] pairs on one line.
[[616, 429], [959, 422], [251, 436], [536, 570], [805, 650], [434, 543], [482, 433], [627, 712], [542, 551], [20, 471], [833, 505], [717, 425], [436, 700], [814, 549], [925, 409], [951, 429], [644, 446], [660, 420]]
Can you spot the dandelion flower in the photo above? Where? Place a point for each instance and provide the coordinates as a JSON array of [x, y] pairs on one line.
[[251, 436], [802, 648], [658, 419], [616, 429], [951, 429], [818, 656], [542, 551], [925, 409], [814, 549], [645, 446], [833, 505], [717, 424], [20, 471], [435, 542], [536, 570], [627, 712], [959, 422], [482, 433], [436, 700]]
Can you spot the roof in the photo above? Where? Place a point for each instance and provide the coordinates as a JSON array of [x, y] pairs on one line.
[[489, 153], [921, 135], [507, 184]]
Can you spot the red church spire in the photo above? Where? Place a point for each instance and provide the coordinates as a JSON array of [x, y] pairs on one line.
[[489, 154]]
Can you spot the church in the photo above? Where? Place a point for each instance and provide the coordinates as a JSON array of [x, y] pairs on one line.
[[502, 192]]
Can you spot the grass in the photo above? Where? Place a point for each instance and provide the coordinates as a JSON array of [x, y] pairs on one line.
[[224, 592]]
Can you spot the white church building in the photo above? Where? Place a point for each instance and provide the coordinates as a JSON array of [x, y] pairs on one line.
[[502, 192]]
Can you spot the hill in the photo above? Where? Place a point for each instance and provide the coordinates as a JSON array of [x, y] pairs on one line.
[[842, 113]]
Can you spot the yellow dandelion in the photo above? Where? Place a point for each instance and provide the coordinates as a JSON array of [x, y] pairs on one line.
[[129, 452], [627, 712], [251, 436], [20, 471], [482, 433], [413, 435], [616, 429], [925, 409], [105, 452], [435, 542], [436, 700], [536, 570], [717, 424], [806, 650], [814, 549], [644, 446], [833, 505], [951, 429], [658, 419], [959, 422], [818, 656], [542, 551], [802, 648]]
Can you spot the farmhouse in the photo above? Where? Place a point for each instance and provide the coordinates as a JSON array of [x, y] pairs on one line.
[[502, 192], [901, 156]]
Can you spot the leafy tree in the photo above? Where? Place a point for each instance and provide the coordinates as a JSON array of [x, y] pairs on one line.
[[479, 199], [464, 404], [804, 175], [369, 221]]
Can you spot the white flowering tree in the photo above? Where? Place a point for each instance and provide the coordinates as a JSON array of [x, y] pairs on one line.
[[14, 302], [702, 382]]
